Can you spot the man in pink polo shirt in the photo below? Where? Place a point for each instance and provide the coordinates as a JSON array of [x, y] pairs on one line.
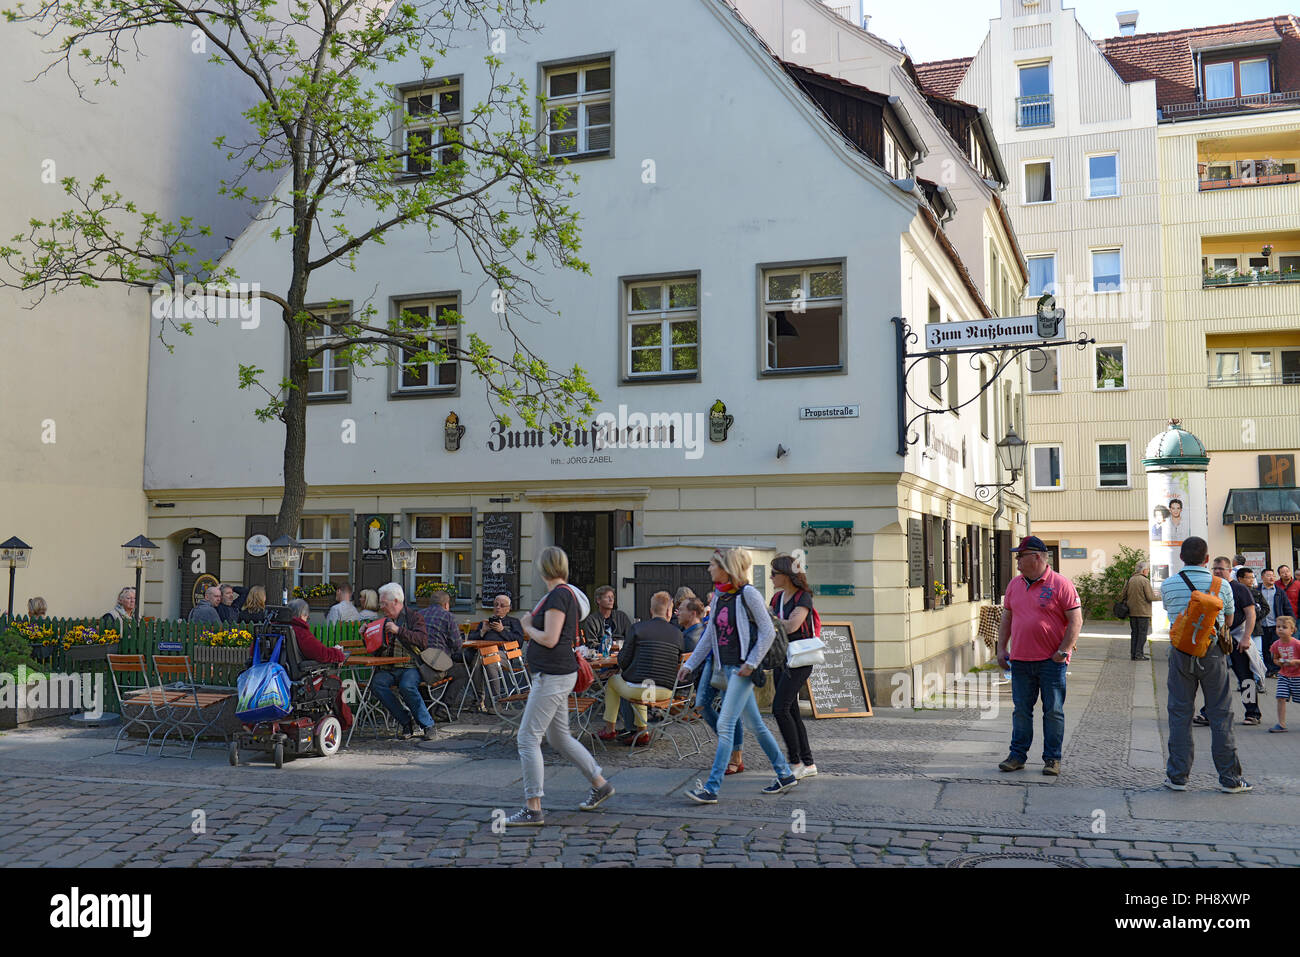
[[1041, 620]]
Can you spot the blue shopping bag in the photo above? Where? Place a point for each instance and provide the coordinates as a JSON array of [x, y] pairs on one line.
[[263, 688]]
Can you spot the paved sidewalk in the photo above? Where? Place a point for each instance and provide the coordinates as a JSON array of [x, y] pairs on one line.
[[906, 786]]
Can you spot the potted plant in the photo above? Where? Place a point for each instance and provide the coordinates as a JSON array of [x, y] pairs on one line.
[[424, 592], [1290, 275], [227, 650], [319, 596], [1267, 251], [85, 643], [1211, 278], [40, 638], [1237, 277]]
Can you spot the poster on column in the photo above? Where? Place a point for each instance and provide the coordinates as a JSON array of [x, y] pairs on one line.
[[1178, 511]]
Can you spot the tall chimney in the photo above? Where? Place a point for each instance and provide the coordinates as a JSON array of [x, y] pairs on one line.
[[1128, 22]]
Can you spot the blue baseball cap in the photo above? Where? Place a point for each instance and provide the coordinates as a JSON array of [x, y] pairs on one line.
[[1031, 543]]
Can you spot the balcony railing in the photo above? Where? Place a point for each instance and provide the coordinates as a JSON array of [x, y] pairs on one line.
[[1286, 378], [1179, 111], [1233, 183], [1261, 277], [1034, 110]]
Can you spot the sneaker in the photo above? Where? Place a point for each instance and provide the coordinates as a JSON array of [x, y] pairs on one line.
[[701, 795], [1276, 728], [406, 734], [428, 733], [1251, 719], [1174, 785], [781, 784], [1052, 767], [1012, 763], [805, 771], [525, 817], [1200, 719], [1241, 787], [596, 796]]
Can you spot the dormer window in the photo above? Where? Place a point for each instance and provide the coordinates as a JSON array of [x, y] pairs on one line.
[[1233, 78]]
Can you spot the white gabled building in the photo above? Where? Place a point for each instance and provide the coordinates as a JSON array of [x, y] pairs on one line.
[[770, 184]]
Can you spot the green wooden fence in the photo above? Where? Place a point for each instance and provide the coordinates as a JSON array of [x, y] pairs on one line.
[[213, 665]]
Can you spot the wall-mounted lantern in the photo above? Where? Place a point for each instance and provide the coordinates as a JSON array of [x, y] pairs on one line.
[[452, 432]]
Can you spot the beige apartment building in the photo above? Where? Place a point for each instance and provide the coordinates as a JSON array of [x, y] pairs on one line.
[[1152, 191]]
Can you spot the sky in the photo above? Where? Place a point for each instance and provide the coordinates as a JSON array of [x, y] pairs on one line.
[[942, 29]]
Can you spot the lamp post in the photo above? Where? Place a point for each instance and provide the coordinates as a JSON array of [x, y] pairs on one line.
[[402, 555], [285, 553], [139, 552], [16, 554], [1011, 456]]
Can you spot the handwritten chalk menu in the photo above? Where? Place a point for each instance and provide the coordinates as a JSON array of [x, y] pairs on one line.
[[500, 571], [837, 688]]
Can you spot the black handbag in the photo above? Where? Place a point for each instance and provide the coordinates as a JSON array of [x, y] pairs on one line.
[[1120, 608]]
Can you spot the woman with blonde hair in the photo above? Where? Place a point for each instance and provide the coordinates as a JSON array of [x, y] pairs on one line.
[[552, 632], [36, 607], [253, 611], [369, 604], [735, 640]]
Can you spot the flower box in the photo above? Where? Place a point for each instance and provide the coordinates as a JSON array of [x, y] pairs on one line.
[[1214, 281], [78, 654]]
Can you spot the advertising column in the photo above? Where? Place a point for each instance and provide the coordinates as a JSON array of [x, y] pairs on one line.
[[1175, 463]]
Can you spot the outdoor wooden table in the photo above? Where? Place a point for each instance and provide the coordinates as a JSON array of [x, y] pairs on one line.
[[370, 709]]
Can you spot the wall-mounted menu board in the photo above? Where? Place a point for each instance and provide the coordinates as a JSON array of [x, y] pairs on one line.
[[837, 688], [915, 554], [500, 543]]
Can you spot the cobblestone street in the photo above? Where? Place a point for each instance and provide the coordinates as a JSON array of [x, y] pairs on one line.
[[905, 788]]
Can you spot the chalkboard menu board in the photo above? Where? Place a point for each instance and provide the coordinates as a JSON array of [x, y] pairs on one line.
[[500, 541], [837, 688], [915, 554]]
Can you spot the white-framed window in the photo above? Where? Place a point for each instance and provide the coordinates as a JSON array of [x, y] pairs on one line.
[[1103, 175], [803, 308], [896, 164], [1039, 181], [1259, 365], [1254, 77], [1219, 171], [1288, 262], [1045, 472], [1042, 274], [433, 118], [326, 549], [328, 376], [1219, 81], [1109, 367], [1112, 465], [579, 101], [1107, 270], [444, 549], [663, 326], [443, 332], [1044, 370]]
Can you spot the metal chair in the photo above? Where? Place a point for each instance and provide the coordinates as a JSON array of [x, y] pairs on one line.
[[192, 709], [506, 700], [139, 694], [677, 711]]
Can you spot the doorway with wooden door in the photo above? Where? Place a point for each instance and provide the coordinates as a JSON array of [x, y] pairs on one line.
[[589, 539], [199, 563]]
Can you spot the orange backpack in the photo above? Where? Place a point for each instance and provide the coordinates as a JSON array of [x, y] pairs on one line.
[[1194, 629]]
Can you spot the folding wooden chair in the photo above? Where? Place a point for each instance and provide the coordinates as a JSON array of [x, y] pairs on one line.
[[131, 684], [192, 709], [507, 702]]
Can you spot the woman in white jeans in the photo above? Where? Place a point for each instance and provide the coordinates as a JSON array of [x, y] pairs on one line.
[[552, 633]]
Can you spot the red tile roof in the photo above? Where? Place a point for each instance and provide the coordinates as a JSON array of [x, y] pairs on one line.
[[1169, 58], [943, 76]]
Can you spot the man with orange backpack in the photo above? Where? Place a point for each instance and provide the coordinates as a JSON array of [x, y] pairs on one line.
[[1197, 604]]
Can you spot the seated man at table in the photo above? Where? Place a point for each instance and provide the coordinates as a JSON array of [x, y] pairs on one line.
[[310, 647], [404, 635], [649, 661]]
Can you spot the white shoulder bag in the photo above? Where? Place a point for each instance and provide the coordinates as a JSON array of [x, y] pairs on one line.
[[805, 651]]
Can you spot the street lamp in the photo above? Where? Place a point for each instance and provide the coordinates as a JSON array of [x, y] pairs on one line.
[[139, 552], [402, 555], [15, 553], [1011, 456], [285, 553]]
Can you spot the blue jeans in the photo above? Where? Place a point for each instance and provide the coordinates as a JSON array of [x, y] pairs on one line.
[[408, 686], [738, 703], [1028, 680], [704, 695]]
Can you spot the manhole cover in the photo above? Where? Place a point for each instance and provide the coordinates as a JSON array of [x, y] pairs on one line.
[[1013, 859]]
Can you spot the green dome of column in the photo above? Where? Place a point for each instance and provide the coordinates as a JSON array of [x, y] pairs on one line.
[[1176, 448]]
